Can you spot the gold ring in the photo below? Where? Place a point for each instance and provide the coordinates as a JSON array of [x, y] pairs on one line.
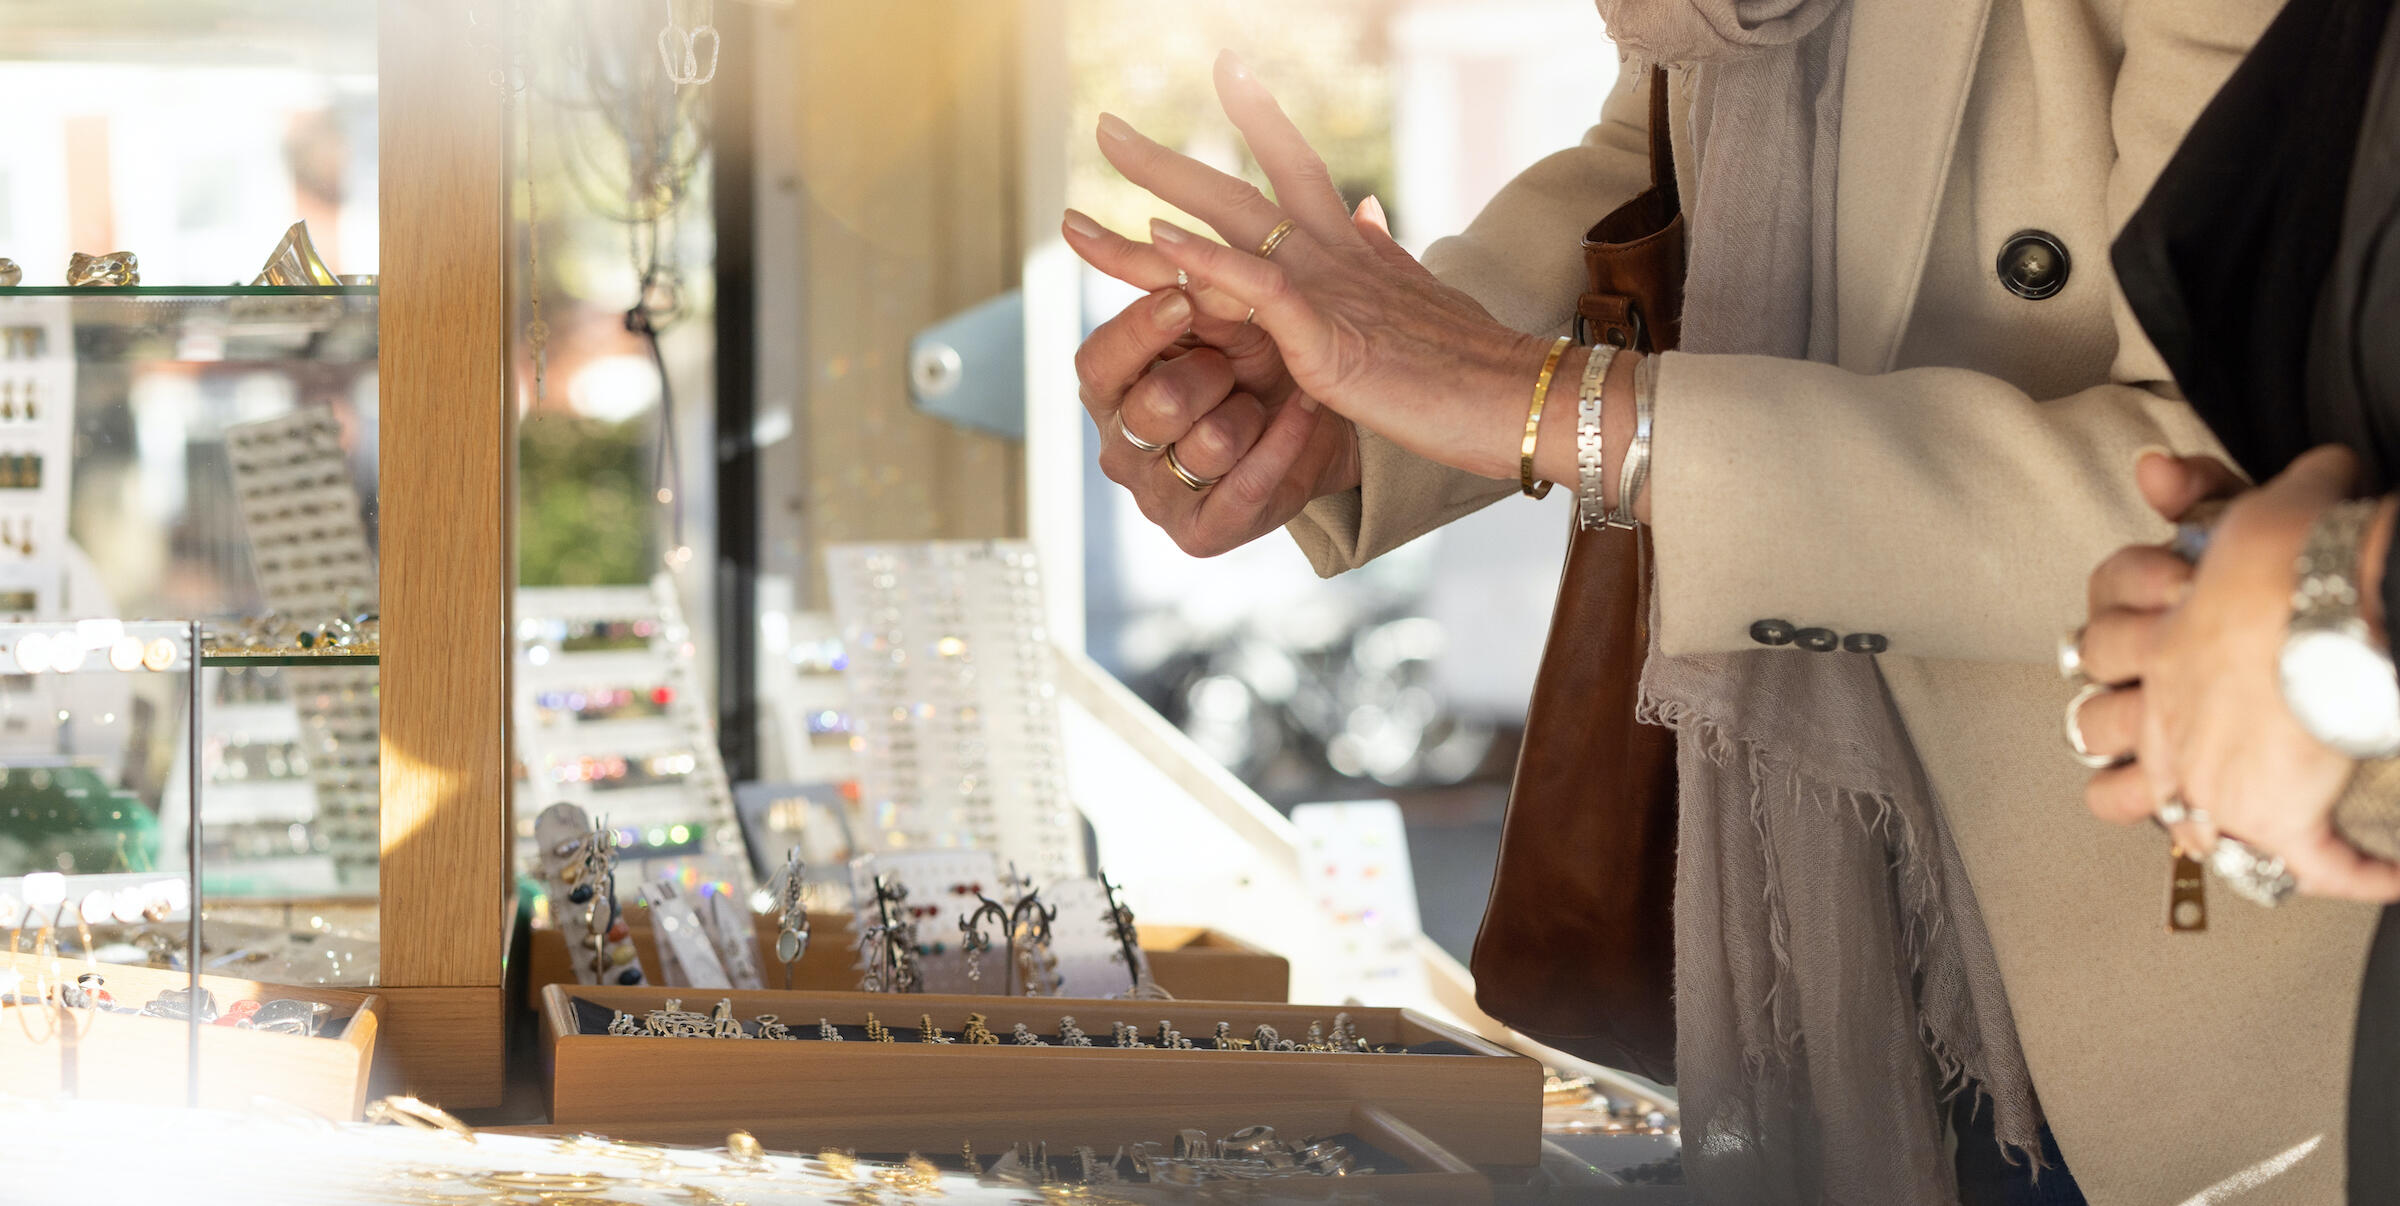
[[1283, 230], [1135, 440], [1186, 476]]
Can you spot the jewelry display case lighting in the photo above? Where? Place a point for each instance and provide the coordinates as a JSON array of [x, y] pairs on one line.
[[1474, 1098]]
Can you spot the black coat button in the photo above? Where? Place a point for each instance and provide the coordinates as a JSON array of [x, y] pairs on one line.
[[2034, 264], [1817, 640], [1865, 642], [1772, 632]]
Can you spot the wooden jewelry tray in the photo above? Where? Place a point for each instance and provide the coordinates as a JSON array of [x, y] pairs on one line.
[[1189, 961], [1430, 1174], [48, 1050], [1478, 1101]]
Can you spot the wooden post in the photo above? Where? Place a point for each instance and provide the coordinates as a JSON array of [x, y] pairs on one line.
[[447, 494]]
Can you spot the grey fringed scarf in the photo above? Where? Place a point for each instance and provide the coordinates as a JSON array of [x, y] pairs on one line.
[[1834, 981]]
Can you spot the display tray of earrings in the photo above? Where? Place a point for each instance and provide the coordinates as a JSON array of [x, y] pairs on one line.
[[1192, 962], [119, 1033], [622, 1057], [1270, 1151]]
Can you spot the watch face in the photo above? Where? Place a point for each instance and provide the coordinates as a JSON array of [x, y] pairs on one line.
[[2341, 689]]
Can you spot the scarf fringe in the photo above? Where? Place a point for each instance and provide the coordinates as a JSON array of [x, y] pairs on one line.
[[1920, 891]]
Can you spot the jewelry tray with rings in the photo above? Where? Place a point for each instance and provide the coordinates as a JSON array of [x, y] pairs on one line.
[[1390, 1160], [50, 1049], [1187, 961], [1471, 1097]]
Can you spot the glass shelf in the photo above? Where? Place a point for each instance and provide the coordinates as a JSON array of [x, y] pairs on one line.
[[139, 292], [233, 660], [200, 324]]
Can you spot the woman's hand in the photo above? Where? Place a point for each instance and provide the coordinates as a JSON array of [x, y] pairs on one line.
[[2203, 710], [1170, 372], [1359, 324]]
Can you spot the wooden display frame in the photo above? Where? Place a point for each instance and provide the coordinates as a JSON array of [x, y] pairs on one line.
[[1189, 961], [1485, 1107], [1435, 1175], [128, 1057], [447, 502]]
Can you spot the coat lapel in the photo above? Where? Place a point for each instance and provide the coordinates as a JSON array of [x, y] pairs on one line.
[[1910, 67]]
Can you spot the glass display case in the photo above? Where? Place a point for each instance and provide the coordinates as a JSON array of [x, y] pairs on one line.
[[317, 474]]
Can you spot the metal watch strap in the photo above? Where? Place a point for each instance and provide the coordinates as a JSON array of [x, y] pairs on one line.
[[2326, 572], [1591, 443], [1636, 469]]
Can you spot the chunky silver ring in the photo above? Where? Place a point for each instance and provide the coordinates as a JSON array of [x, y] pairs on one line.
[[2083, 753], [1137, 441], [2070, 656], [2252, 874], [1186, 476], [2174, 811]]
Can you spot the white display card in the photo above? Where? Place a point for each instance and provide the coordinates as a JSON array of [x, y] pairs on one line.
[[611, 717], [1354, 860], [954, 700], [736, 940], [942, 887], [1085, 954], [688, 957], [308, 545], [37, 427]]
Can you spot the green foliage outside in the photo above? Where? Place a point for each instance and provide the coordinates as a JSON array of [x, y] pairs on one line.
[[584, 513]]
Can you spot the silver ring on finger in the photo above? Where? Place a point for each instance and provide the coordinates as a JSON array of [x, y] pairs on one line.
[[2175, 811], [1183, 280], [2070, 657], [2074, 726], [2252, 874], [1146, 446], [1247, 317], [1186, 476]]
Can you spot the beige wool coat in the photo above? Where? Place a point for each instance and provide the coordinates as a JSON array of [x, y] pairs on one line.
[[1950, 483]]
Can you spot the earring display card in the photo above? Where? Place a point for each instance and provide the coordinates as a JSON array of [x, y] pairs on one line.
[[1354, 860], [584, 907], [1085, 953], [686, 954], [611, 718], [308, 542], [37, 424], [941, 889], [1473, 1098], [954, 700]]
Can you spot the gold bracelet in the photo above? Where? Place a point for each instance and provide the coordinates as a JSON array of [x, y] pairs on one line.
[[1533, 420]]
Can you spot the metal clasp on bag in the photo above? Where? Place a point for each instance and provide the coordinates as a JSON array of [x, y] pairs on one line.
[[1634, 339]]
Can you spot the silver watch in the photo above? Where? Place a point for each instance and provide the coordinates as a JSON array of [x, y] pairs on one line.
[[2337, 679]]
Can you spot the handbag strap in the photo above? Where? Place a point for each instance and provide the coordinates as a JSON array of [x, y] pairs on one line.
[[1634, 257]]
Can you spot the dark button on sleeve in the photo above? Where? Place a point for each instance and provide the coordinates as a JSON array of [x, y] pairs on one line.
[[2034, 264], [1772, 632], [1817, 640], [1865, 642]]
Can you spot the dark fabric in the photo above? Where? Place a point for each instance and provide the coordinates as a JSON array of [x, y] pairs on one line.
[[1985, 1176], [2374, 1141], [2226, 260]]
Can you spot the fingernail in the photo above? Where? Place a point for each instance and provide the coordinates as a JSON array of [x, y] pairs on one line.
[[1115, 127], [1372, 210], [1082, 225], [1233, 64], [1168, 232], [1174, 311], [2150, 450]]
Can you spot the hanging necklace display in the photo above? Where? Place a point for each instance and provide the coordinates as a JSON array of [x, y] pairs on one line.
[[1129, 948], [791, 914], [889, 946]]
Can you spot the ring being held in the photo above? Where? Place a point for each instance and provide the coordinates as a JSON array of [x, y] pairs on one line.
[[1275, 238], [1137, 441], [1186, 476], [2074, 727]]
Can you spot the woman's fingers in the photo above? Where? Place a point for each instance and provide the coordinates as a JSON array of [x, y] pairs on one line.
[[2143, 576], [2119, 795], [1376, 228], [1216, 440], [2111, 724], [2326, 865], [1304, 190], [1301, 335], [1136, 264], [2117, 644], [1233, 509], [1162, 406], [1118, 352], [2175, 484], [1229, 204]]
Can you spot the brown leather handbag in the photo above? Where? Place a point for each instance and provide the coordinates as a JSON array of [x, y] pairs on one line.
[[1577, 948]]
